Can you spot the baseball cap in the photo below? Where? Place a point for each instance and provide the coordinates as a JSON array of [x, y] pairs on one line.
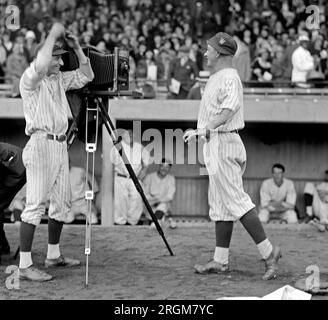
[[223, 43], [57, 50]]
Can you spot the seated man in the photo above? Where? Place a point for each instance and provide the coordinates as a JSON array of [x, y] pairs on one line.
[[316, 201], [278, 197], [159, 189], [78, 187]]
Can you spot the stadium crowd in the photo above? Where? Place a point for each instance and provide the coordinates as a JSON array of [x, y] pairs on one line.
[[166, 39]]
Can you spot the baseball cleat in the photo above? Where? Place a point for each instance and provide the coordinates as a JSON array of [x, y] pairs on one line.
[[61, 262], [271, 264], [211, 267], [33, 274]]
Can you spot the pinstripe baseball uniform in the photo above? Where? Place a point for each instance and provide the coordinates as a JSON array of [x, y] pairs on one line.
[[46, 161], [224, 153]]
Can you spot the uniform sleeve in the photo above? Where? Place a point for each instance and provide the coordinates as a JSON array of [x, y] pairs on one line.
[[291, 194], [31, 78], [264, 194], [74, 79], [229, 97]]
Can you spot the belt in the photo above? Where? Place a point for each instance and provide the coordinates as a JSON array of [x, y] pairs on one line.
[[55, 137], [233, 131], [122, 175]]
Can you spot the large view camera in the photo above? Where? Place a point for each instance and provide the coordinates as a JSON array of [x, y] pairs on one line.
[[111, 70]]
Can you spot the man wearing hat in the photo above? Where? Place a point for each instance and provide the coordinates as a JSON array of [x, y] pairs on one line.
[[182, 72], [45, 155], [302, 62], [220, 117]]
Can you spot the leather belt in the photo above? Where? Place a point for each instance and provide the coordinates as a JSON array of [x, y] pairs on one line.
[[122, 175], [55, 137]]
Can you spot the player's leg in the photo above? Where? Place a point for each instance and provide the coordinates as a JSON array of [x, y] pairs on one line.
[[60, 205], [223, 233], [231, 166], [38, 169], [135, 206], [121, 200]]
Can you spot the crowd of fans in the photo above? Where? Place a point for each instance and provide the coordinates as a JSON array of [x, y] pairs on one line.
[[162, 35]]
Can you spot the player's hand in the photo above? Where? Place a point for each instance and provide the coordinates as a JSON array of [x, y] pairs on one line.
[[57, 30], [72, 41], [189, 136]]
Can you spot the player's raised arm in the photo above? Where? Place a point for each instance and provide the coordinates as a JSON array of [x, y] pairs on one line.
[[44, 55]]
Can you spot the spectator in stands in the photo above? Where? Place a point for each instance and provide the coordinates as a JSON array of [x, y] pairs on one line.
[[163, 62], [20, 40], [128, 203], [278, 197], [277, 67], [316, 202], [196, 55], [181, 75], [196, 92], [6, 42], [160, 189], [16, 65], [262, 67], [302, 62], [242, 60], [79, 185], [40, 32]]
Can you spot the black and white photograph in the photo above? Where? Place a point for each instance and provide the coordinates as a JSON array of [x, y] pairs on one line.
[[167, 155]]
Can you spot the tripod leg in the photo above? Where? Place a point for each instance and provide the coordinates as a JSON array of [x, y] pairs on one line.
[[89, 194], [110, 128]]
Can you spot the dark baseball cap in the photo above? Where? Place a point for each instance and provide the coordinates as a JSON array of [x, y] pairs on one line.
[[223, 43], [57, 50]]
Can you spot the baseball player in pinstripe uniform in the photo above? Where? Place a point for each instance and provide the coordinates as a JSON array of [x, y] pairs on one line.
[[45, 156], [219, 119]]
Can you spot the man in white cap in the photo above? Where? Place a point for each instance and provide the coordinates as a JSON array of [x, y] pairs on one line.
[[302, 62]]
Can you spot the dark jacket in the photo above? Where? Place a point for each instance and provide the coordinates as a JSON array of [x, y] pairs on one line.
[[182, 73], [12, 170]]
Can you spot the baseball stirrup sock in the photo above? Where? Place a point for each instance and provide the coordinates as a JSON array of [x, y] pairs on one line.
[[265, 248], [221, 255], [53, 251], [25, 260]]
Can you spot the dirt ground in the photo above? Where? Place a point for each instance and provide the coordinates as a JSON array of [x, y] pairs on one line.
[[133, 263]]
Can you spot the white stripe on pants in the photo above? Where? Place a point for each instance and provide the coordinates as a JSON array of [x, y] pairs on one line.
[[128, 202], [47, 174], [225, 159]]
